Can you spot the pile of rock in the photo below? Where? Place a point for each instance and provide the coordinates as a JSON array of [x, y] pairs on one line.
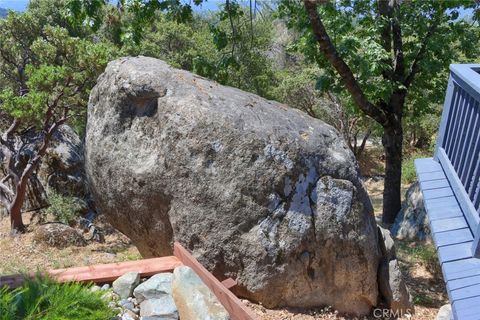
[[164, 296]]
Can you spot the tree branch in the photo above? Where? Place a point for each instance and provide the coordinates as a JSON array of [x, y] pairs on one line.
[[330, 52], [385, 12], [415, 68], [6, 135], [6, 189], [399, 61]]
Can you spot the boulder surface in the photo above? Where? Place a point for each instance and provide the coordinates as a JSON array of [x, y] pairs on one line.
[[125, 284], [411, 222], [193, 298], [257, 191]]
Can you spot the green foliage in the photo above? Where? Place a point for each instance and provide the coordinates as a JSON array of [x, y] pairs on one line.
[[355, 30], [209, 47], [45, 299], [409, 174], [297, 88], [129, 17], [242, 42], [46, 69], [179, 44], [65, 209]]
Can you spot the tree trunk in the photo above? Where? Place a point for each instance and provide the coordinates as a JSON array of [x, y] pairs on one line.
[[16, 220], [15, 209], [392, 142]]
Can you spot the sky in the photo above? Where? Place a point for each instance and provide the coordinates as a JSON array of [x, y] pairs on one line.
[[17, 5]]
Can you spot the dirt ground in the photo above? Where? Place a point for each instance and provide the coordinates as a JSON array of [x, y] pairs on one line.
[[417, 260], [21, 253]]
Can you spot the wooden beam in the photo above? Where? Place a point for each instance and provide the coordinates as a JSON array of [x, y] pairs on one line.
[[229, 283], [236, 308], [103, 272]]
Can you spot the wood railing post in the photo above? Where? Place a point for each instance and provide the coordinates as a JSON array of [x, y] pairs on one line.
[[445, 116]]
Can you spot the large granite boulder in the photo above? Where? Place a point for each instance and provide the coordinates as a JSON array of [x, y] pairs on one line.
[[411, 222], [62, 169], [256, 190]]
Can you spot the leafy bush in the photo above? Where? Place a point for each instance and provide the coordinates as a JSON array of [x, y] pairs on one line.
[[409, 174], [65, 209], [45, 299]]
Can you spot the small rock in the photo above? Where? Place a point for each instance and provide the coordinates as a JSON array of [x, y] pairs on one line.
[[129, 315], [393, 288], [58, 235], [445, 313], [110, 296], [94, 288], [194, 299], [157, 286], [106, 286], [124, 285], [388, 249], [162, 308], [124, 303]]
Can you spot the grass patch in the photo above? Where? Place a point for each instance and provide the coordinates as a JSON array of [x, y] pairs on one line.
[[129, 256], [45, 299], [422, 253], [409, 174]]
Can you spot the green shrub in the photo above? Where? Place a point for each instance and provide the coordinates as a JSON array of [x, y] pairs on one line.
[[46, 299], [65, 209], [409, 174]]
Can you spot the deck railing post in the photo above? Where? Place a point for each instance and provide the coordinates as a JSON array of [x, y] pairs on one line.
[[445, 115]]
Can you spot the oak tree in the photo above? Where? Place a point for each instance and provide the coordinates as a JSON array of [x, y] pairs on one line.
[[47, 75], [389, 55]]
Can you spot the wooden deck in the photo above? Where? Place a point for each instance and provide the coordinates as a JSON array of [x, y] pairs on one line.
[[147, 267], [453, 240]]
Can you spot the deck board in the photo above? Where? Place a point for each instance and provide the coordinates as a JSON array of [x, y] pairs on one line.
[[425, 165], [452, 237], [467, 309], [434, 184], [455, 252], [465, 292], [441, 203], [428, 176], [437, 193], [448, 224], [461, 269], [444, 213], [462, 283]]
